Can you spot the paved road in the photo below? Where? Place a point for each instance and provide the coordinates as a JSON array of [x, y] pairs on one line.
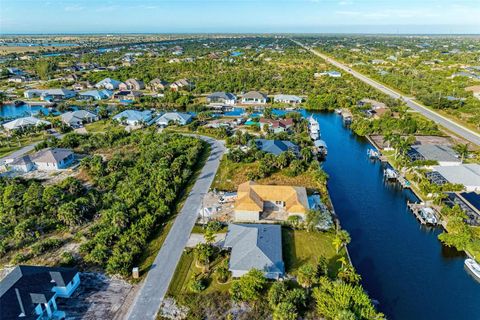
[[155, 286], [449, 124]]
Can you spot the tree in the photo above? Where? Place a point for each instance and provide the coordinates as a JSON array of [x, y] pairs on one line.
[[322, 266], [277, 293], [307, 276], [209, 236], [341, 239], [249, 286], [462, 150], [222, 272], [197, 284], [203, 254], [285, 311], [44, 69]]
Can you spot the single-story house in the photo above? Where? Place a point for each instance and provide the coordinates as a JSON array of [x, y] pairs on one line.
[[469, 202], [108, 83], [175, 117], [81, 85], [276, 147], [127, 95], [158, 85], [444, 155], [78, 117], [52, 159], [332, 74], [17, 79], [21, 164], [132, 84], [475, 90], [466, 174], [287, 98], [25, 122], [133, 117], [95, 95], [254, 97], [30, 292], [277, 126], [224, 98], [182, 84], [255, 246], [253, 199], [49, 94]]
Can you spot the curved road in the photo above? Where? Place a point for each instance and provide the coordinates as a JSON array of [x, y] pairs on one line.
[[155, 286], [449, 124]]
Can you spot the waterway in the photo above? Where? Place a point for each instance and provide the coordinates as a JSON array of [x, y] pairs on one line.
[[402, 264], [10, 111]]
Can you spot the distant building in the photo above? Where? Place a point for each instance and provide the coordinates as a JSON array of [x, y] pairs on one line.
[[182, 84], [108, 83], [254, 199], [254, 97], [444, 155], [78, 117], [95, 95], [131, 84], [223, 98], [255, 246], [475, 90], [469, 202], [133, 117], [287, 98], [127, 95], [332, 74], [158, 85], [22, 123], [174, 117], [277, 126], [465, 174], [30, 292], [276, 147], [49, 94]]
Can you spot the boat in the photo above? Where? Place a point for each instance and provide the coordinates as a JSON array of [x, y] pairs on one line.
[[338, 111], [313, 124], [428, 215], [390, 174], [373, 154], [473, 267], [321, 148]]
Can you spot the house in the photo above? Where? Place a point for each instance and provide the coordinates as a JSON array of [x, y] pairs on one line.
[[475, 90], [30, 292], [158, 85], [15, 71], [21, 164], [287, 98], [132, 84], [175, 117], [444, 155], [222, 98], [465, 174], [49, 94], [82, 85], [25, 122], [17, 79], [332, 74], [276, 147], [469, 202], [254, 199], [127, 95], [95, 95], [255, 246], [52, 159], [182, 84], [133, 117], [276, 126], [108, 83], [78, 117], [254, 97]]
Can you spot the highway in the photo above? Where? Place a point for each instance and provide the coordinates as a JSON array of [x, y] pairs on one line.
[[449, 124], [155, 286]]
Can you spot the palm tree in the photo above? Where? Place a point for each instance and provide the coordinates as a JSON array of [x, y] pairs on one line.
[[342, 238], [462, 150]]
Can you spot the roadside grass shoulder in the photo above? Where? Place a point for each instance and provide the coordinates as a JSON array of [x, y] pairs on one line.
[[8, 146]]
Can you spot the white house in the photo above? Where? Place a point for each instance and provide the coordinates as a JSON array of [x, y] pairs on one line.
[[108, 83], [133, 117], [25, 122], [223, 98], [52, 159], [49, 94], [175, 117], [287, 98], [78, 117], [22, 164], [254, 97], [95, 95]]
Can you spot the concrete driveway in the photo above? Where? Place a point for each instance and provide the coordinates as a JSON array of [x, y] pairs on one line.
[[155, 286]]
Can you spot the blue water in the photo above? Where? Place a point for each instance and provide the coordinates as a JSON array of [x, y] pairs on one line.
[[9, 111], [402, 264], [236, 112], [38, 44], [236, 54]]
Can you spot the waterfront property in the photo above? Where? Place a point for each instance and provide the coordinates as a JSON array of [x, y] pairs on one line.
[[26, 122], [95, 95], [465, 174], [287, 98], [443, 155], [276, 147], [254, 97], [179, 118], [133, 117], [222, 98], [469, 202], [31, 292], [255, 246], [276, 126], [78, 117], [49, 94], [276, 202]]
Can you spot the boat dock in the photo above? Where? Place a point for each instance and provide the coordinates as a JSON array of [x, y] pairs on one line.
[[423, 213]]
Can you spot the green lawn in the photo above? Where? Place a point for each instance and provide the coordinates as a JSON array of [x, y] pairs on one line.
[[14, 144], [300, 247], [99, 126]]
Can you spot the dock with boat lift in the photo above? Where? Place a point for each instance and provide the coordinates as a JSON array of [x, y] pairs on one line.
[[423, 213]]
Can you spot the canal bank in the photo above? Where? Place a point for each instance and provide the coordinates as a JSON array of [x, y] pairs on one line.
[[403, 265]]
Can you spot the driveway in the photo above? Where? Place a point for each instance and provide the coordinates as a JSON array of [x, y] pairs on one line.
[[447, 123], [155, 286]]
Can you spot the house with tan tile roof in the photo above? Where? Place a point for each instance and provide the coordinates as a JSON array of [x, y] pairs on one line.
[[254, 200]]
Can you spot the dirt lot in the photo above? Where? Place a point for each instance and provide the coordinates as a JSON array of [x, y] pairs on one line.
[[97, 297], [216, 209]]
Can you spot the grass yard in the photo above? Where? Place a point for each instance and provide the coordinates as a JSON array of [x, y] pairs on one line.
[[98, 126], [14, 144], [300, 247]]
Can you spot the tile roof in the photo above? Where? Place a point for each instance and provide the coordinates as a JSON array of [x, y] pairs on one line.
[[275, 147]]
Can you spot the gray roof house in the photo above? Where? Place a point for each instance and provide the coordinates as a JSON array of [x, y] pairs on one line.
[[255, 246], [254, 97], [444, 155], [133, 117], [30, 292], [108, 83], [176, 117], [287, 98], [466, 174], [276, 147], [226, 98], [158, 85], [25, 122], [52, 159], [95, 94], [78, 117], [132, 84]]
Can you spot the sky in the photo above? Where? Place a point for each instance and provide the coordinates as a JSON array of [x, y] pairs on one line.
[[240, 16]]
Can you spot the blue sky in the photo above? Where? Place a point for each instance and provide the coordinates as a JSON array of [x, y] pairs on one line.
[[166, 16]]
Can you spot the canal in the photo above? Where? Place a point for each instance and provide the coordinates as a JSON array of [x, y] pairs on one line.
[[402, 264]]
